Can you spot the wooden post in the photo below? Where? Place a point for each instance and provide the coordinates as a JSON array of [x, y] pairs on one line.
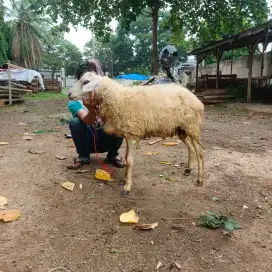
[[197, 65], [264, 48], [9, 77], [231, 62], [218, 58], [251, 50], [262, 63]]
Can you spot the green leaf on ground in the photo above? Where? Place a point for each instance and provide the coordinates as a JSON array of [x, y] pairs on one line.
[[44, 131], [215, 221]]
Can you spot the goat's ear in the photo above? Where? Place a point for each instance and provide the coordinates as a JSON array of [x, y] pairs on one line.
[[91, 86]]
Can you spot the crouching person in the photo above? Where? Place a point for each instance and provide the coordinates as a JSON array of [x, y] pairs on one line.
[[85, 126]]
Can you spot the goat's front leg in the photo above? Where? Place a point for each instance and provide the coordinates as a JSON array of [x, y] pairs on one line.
[[129, 159]]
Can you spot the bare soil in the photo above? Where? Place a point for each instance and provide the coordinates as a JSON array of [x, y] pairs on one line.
[[80, 230]]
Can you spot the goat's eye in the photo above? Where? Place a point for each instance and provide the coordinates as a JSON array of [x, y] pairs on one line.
[[85, 82]]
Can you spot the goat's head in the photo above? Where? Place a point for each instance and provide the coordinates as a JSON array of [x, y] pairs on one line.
[[85, 87]]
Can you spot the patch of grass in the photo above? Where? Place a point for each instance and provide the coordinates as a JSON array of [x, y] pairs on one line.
[[225, 108], [45, 96]]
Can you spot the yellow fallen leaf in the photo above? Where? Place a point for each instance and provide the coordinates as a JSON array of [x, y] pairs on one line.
[[61, 158], [150, 153], [147, 226], [68, 185], [4, 143], [170, 143], [102, 175], [9, 215], [129, 217], [3, 201], [166, 162]]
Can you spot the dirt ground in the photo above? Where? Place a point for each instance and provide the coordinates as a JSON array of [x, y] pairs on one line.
[[79, 231]]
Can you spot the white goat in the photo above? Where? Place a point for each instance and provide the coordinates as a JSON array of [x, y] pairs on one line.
[[138, 112]]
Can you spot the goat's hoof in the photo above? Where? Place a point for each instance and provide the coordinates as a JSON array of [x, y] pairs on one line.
[[199, 183], [125, 193], [187, 172]]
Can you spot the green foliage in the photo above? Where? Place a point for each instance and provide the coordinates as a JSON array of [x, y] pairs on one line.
[[209, 20], [25, 34], [60, 53], [224, 19], [3, 42], [130, 50]]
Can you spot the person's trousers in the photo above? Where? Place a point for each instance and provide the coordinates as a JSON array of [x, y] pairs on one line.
[[83, 137]]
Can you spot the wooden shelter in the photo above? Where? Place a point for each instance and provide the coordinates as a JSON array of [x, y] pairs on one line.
[[249, 38]]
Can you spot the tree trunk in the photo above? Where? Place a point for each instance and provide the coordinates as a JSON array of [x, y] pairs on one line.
[[155, 12]]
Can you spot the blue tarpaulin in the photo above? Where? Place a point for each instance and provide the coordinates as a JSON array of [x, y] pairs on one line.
[[133, 77]]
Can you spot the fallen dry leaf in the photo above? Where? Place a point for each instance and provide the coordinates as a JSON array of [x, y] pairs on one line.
[[175, 265], [147, 226], [36, 151], [159, 265], [156, 141], [167, 178], [151, 153], [217, 148], [22, 124], [3, 201], [9, 215], [166, 162], [245, 207], [68, 185], [28, 138], [102, 175], [61, 158], [170, 143], [129, 217], [28, 134], [4, 143], [82, 171]]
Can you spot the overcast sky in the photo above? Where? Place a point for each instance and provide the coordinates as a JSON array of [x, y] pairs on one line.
[[83, 35]]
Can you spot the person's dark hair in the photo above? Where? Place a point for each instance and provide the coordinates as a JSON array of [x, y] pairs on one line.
[[92, 65]]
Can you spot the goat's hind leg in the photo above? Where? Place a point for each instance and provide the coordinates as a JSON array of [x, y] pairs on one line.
[[129, 160], [191, 154], [200, 158]]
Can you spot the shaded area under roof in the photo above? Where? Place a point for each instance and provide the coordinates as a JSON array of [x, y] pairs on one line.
[[260, 34]]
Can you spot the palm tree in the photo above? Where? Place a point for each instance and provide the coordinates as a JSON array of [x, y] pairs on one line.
[[25, 34], [3, 42]]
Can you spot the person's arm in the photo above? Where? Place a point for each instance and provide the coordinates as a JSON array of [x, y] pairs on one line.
[[87, 117]]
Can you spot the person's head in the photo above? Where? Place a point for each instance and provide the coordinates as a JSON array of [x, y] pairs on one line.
[[92, 65]]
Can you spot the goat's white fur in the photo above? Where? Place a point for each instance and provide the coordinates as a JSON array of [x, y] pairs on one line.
[[144, 111]]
